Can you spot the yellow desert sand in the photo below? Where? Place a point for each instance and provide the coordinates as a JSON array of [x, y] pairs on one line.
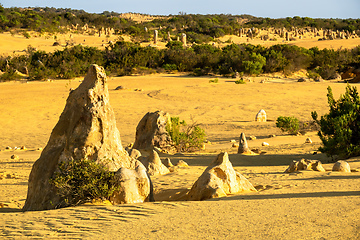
[[300, 205]]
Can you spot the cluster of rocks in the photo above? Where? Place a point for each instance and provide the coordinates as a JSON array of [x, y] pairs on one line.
[[296, 33], [86, 29], [315, 165], [15, 148], [87, 130]]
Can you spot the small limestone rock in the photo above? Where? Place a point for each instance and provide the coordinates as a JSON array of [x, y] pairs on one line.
[[218, 180], [305, 164], [243, 146], [261, 116], [15, 157], [308, 140], [167, 162], [272, 135], [182, 164], [154, 165], [135, 186], [39, 149], [235, 145], [23, 148], [341, 166], [252, 138], [134, 153], [256, 150], [265, 144], [120, 88], [233, 141], [302, 80], [8, 148]]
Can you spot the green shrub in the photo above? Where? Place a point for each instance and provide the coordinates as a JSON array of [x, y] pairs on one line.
[[9, 75], [82, 181], [170, 67], [187, 138], [340, 128], [26, 34], [288, 124], [240, 81], [214, 80]]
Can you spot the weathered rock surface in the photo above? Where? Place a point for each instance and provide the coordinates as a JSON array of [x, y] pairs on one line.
[[151, 132], [305, 164], [167, 162], [341, 166], [218, 180], [154, 165], [86, 130], [243, 146], [134, 153], [261, 116], [135, 186]]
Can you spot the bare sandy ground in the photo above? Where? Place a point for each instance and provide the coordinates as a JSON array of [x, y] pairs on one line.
[[302, 205]]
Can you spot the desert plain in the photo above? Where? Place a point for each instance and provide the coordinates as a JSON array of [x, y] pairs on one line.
[[300, 205]]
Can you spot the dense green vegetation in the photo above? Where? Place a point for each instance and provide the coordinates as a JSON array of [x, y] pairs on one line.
[[340, 129], [125, 58]]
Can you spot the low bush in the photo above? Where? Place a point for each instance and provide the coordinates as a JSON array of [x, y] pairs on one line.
[[214, 80], [187, 138], [82, 181], [288, 124], [9, 75], [240, 81]]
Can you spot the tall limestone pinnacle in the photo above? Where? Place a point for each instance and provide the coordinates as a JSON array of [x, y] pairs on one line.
[[86, 130]]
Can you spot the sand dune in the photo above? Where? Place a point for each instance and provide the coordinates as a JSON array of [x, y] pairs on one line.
[[302, 205]]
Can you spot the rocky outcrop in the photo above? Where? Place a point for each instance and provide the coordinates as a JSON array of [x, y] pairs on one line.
[[305, 164], [151, 132], [154, 165], [86, 130], [261, 116], [243, 146], [135, 186], [341, 166], [218, 180]]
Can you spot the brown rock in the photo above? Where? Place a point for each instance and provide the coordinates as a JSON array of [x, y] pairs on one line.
[[305, 164], [15, 157], [167, 162], [135, 186], [154, 165], [261, 116], [86, 130], [151, 132], [243, 146], [218, 180], [341, 166], [302, 80]]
